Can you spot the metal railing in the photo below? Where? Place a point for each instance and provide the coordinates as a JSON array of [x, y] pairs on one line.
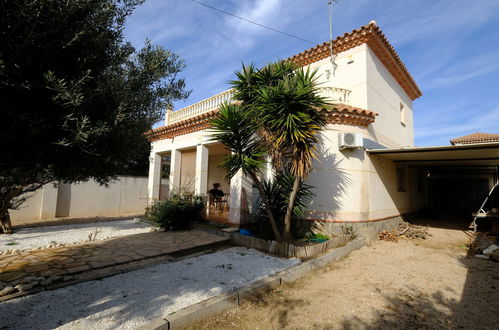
[[333, 94]]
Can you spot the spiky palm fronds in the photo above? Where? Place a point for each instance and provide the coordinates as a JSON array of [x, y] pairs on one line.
[[288, 114], [233, 129]]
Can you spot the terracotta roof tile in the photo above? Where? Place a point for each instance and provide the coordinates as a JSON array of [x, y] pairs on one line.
[[476, 138], [337, 114], [371, 35]]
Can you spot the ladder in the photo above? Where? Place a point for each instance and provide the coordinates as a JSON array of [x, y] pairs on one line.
[[481, 212]]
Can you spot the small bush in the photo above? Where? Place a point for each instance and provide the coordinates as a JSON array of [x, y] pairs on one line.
[[349, 230], [177, 213]]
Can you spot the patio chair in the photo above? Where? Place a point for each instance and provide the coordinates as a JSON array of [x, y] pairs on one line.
[[223, 201]]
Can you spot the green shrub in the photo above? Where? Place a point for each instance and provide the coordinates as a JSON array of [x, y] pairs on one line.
[[278, 192], [179, 212], [349, 230]]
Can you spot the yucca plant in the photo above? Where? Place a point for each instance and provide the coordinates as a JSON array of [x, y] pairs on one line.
[[278, 191], [289, 122], [234, 128], [276, 114]]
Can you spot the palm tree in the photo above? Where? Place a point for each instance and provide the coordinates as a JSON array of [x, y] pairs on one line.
[[234, 128], [288, 117], [276, 113]]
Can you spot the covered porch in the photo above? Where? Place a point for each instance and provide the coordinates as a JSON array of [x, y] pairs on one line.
[[193, 169]]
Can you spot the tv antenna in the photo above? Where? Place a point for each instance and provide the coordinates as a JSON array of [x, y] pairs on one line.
[[332, 54]]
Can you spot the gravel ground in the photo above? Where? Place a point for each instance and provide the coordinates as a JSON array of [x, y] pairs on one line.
[[420, 284], [35, 237], [130, 300]]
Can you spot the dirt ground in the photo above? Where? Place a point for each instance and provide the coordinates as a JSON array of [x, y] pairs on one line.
[[416, 284]]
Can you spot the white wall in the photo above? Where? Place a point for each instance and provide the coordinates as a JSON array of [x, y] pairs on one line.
[[188, 170], [216, 175], [351, 74], [127, 196], [384, 96]]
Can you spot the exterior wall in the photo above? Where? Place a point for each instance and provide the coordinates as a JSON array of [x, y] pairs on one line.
[[188, 170], [384, 96], [30, 209], [384, 199], [215, 175], [368, 230], [350, 73], [127, 196], [350, 185], [372, 88]]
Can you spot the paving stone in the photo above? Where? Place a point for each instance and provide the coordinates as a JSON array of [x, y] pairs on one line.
[[7, 290], [100, 264], [11, 276], [46, 282], [53, 271], [78, 269], [148, 253], [98, 254], [122, 259], [37, 268], [24, 287]]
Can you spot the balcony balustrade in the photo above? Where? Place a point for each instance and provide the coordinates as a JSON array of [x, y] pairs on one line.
[[333, 94]]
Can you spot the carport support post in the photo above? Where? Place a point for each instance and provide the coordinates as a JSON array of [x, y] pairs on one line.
[[201, 183], [154, 182], [175, 166]]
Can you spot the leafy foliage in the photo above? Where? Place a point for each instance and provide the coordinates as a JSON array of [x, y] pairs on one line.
[[76, 99], [236, 131], [278, 110], [177, 213], [278, 192]]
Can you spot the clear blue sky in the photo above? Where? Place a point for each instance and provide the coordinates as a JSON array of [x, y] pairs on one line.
[[451, 47]]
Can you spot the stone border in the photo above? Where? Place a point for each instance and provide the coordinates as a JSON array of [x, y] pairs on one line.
[[288, 250], [228, 300], [285, 250]]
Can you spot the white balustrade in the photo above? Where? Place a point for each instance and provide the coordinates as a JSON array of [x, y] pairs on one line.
[[206, 105], [333, 94]]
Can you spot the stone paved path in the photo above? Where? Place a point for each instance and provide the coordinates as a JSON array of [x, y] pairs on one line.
[[25, 271]]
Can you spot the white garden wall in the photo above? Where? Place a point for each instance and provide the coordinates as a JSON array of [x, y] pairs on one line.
[[126, 196]]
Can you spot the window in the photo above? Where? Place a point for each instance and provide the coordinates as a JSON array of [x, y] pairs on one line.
[[401, 179], [402, 115]]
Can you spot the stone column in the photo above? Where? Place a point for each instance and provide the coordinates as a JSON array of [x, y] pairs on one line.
[[201, 183], [175, 166], [154, 181], [240, 198]]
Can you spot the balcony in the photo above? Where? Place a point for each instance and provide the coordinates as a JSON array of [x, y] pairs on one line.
[[333, 94]]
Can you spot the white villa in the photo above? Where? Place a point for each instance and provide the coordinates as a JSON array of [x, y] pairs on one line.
[[368, 171]]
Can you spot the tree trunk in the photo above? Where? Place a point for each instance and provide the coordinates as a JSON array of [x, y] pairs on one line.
[[289, 210], [268, 209], [5, 221]]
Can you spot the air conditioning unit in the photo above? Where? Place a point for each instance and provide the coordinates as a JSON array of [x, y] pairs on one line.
[[349, 140]]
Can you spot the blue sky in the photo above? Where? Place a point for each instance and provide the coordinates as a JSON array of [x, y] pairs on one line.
[[451, 47]]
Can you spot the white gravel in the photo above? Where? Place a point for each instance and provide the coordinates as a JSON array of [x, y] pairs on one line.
[[35, 237], [132, 299]]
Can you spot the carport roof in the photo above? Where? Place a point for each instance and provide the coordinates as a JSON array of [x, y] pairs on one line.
[[482, 154]]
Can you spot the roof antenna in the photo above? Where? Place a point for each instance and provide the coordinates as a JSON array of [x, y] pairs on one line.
[[333, 56]]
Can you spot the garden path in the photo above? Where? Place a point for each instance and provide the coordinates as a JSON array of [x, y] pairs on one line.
[[36, 270]]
